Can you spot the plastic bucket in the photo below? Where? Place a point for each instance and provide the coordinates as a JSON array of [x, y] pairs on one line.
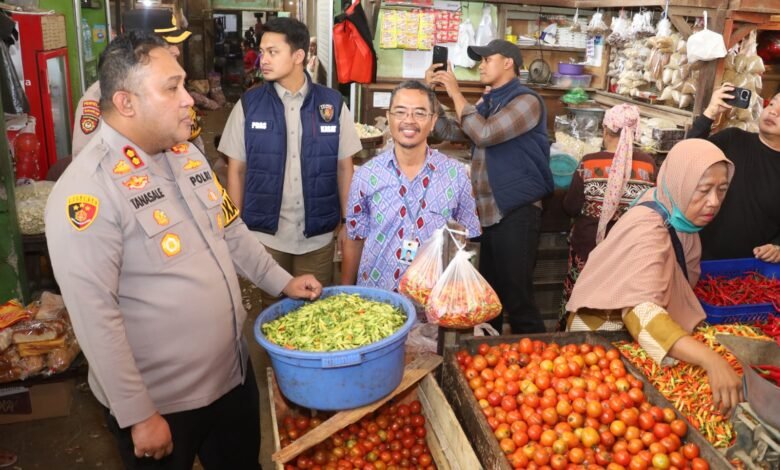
[[339, 380], [563, 167]]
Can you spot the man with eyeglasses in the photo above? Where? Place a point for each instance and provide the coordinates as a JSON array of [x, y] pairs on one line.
[[510, 171], [399, 198]]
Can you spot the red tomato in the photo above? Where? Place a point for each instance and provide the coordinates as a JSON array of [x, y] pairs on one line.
[[646, 421], [661, 430], [679, 427], [690, 451], [699, 464]]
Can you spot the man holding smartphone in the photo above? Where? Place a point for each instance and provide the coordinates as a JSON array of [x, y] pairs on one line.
[[510, 172], [748, 224]]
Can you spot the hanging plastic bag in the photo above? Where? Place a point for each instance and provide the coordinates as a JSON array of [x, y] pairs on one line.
[[466, 38], [462, 298], [421, 276], [486, 31], [705, 45], [597, 25]]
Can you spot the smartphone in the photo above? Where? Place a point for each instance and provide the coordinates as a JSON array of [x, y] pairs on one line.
[[440, 57], [741, 98]]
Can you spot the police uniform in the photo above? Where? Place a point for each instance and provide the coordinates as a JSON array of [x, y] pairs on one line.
[[87, 121], [146, 249]]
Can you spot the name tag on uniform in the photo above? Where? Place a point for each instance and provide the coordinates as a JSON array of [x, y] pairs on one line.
[[262, 125], [327, 129]]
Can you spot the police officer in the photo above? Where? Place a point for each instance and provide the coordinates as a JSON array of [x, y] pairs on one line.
[[151, 20], [146, 245]]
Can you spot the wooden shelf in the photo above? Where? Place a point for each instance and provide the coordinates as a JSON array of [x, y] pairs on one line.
[[681, 117], [551, 48]]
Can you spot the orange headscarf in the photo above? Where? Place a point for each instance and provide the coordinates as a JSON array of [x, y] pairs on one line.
[[636, 262]]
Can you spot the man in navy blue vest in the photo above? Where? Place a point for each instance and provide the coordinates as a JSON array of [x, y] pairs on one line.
[[510, 173], [290, 144]]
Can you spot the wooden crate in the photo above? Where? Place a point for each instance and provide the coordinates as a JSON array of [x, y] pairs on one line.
[[447, 442], [475, 424]]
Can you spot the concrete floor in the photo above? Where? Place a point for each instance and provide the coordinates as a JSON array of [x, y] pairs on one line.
[[81, 440]]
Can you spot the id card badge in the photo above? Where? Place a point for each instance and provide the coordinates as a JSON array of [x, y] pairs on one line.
[[409, 251]]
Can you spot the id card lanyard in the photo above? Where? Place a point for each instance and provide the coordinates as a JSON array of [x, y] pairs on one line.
[[410, 245]]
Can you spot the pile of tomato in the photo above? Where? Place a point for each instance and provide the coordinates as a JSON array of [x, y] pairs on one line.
[[561, 407], [392, 438]]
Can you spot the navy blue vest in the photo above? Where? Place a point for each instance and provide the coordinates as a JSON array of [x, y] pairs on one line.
[[265, 137], [518, 169]]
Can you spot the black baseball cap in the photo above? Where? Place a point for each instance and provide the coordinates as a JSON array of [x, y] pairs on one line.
[[497, 46], [159, 21]]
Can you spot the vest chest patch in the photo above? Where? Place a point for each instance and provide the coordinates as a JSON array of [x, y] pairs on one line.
[[328, 129]]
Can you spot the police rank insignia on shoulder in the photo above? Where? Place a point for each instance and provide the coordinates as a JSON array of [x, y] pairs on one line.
[[192, 164], [133, 157], [82, 210], [179, 149], [88, 124], [326, 112]]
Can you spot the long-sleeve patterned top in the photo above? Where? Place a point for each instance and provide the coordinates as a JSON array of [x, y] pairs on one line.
[[385, 208]]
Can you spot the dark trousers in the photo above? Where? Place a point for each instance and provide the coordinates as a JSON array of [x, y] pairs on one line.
[[224, 434], [507, 258]]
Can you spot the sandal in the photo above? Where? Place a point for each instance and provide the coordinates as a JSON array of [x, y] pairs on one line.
[[7, 458]]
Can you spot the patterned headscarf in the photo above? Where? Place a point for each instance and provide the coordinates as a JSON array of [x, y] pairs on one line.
[[623, 118]]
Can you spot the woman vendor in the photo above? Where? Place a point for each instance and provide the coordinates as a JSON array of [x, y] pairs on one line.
[[602, 188], [641, 276]]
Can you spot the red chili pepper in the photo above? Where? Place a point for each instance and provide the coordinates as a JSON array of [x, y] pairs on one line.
[[753, 288]]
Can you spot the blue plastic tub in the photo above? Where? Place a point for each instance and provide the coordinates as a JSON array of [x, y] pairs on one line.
[[731, 268], [343, 379], [563, 167]]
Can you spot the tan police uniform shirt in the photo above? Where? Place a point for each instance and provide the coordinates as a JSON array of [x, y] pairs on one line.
[[289, 236], [146, 250], [87, 121]]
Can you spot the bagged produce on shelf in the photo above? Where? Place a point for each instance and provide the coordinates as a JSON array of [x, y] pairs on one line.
[[596, 26], [705, 45], [621, 33], [579, 136], [642, 25], [743, 69], [420, 277], [462, 298], [664, 27]]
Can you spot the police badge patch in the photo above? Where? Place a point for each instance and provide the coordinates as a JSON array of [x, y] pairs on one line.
[[326, 112], [88, 124], [82, 210]]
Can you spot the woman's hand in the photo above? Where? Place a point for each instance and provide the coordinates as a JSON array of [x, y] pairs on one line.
[[725, 384], [769, 253]]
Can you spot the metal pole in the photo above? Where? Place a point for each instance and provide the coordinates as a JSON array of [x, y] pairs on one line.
[[80, 43], [13, 282]]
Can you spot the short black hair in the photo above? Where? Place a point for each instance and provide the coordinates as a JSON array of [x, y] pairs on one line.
[[415, 85], [296, 34], [119, 61]]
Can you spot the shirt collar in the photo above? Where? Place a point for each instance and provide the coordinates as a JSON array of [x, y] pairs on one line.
[[431, 160], [284, 92]]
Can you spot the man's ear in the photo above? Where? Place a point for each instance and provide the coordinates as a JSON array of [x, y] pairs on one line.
[[509, 63], [123, 103], [298, 56]]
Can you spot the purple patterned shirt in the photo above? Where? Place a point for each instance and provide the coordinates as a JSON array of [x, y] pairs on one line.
[[385, 208]]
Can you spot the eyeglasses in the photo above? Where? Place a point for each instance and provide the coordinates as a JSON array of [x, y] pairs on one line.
[[418, 115]]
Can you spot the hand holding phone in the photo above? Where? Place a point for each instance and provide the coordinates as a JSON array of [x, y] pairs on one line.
[[440, 57], [741, 98]]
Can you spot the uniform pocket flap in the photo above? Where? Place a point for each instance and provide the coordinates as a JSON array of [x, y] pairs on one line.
[[159, 217]]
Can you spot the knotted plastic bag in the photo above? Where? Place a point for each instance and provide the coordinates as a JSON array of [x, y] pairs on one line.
[[705, 45], [426, 269], [486, 31], [460, 56], [462, 298]]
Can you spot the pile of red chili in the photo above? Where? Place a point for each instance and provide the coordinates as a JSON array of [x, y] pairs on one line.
[[771, 327], [769, 372], [753, 288]]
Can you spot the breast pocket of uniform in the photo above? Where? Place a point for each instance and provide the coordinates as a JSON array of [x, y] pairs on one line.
[[170, 238], [211, 198]]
